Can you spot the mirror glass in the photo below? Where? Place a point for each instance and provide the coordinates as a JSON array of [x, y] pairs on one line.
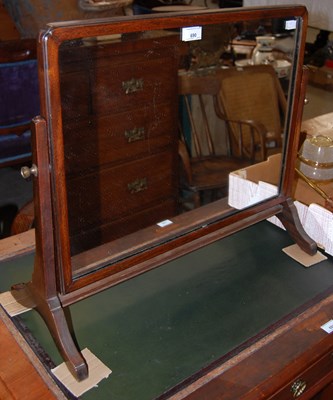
[[156, 122]]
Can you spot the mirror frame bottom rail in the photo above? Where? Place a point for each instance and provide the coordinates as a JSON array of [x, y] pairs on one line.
[[170, 250]]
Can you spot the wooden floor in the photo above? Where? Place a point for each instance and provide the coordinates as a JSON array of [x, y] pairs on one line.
[[21, 374]]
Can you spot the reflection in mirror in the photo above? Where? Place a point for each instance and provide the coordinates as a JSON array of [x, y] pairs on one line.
[[155, 122]]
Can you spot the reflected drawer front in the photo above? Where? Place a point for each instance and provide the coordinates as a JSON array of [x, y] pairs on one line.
[[115, 192], [95, 236], [75, 95], [297, 389], [151, 82], [114, 78], [121, 137]]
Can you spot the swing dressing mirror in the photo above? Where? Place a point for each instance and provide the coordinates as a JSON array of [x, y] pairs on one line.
[[116, 137]]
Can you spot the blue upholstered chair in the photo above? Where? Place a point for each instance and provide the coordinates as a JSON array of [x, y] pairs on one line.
[[19, 99]]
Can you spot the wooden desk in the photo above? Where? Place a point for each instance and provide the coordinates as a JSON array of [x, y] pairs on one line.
[[296, 353], [240, 303]]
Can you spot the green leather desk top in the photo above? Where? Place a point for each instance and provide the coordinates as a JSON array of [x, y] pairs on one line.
[[157, 329]]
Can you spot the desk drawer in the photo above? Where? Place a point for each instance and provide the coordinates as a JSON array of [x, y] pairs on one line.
[[297, 389], [112, 193], [118, 138]]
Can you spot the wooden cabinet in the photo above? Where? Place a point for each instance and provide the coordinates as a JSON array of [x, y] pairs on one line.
[[120, 136]]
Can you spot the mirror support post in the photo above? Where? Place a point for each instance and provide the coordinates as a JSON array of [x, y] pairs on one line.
[[43, 286], [289, 215]]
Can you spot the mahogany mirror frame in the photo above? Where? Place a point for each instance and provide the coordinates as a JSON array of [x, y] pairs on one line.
[[53, 287]]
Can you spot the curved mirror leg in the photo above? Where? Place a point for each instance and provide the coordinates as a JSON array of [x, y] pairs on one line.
[[55, 318], [290, 220]]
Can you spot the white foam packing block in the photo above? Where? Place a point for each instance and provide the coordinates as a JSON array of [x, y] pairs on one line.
[[244, 193], [317, 221]]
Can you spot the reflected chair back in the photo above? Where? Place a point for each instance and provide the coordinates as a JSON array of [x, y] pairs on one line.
[[205, 158], [253, 105]]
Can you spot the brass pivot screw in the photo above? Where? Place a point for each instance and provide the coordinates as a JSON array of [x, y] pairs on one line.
[[26, 172]]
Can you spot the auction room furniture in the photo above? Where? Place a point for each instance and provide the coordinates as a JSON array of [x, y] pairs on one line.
[[24, 219], [96, 77], [320, 13], [255, 127], [19, 101], [205, 169]]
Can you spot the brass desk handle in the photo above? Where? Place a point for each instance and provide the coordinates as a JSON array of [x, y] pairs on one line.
[[135, 134], [138, 185], [133, 85], [297, 388]]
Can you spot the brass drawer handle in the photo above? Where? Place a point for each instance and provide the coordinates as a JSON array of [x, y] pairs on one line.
[[133, 85], [135, 134], [297, 388], [138, 185]]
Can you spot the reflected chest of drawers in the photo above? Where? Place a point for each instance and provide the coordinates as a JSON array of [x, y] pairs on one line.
[[123, 176]]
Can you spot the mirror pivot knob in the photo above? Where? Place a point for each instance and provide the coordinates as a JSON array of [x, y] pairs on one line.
[[26, 172]]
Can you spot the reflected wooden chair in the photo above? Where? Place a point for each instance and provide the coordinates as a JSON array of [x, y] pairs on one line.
[[252, 100], [205, 170]]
